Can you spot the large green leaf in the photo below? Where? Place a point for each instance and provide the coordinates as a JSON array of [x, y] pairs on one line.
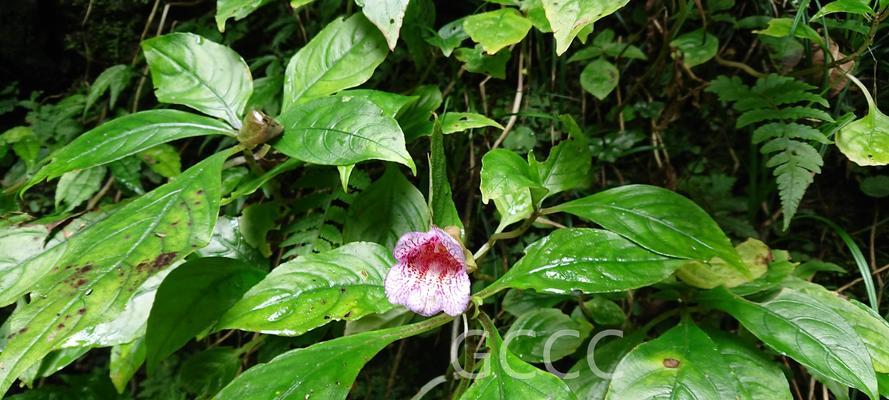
[[113, 79], [125, 136], [387, 15], [534, 331], [659, 220], [508, 377], [568, 17], [387, 209], [759, 377], [682, 363], [866, 141], [190, 70], [89, 278], [588, 260], [191, 298], [695, 48], [505, 173], [75, 187], [589, 383], [324, 370], [237, 9], [342, 131], [17, 244], [310, 291], [125, 360], [567, 167], [344, 54], [800, 326], [495, 30], [870, 326], [441, 202]]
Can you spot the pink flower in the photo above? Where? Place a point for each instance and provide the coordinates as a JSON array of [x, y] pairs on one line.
[[430, 275]]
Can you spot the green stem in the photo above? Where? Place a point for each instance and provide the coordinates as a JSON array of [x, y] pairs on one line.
[[871, 105]]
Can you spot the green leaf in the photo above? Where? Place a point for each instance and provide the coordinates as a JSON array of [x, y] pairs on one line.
[[534, 337], [227, 241], [128, 173], [599, 78], [695, 48], [567, 167], [125, 136], [518, 302], [24, 143], [387, 209], [343, 55], [787, 113], [870, 326], [781, 27], [387, 15], [113, 79], [858, 7], [798, 325], [514, 207], [588, 260], [585, 382], [601, 310], [393, 105], [503, 173], [569, 17], [449, 37], [342, 131], [795, 164], [237, 9], [207, 372], [126, 359], [323, 370], [191, 298], [780, 267], [716, 272], [441, 202], [791, 130], [658, 220], [255, 222], [875, 186], [759, 377], [18, 244], [474, 60], [508, 377], [310, 291], [89, 278], [866, 141], [495, 30], [681, 363], [452, 122], [414, 120], [163, 159], [75, 187], [190, 70], [397, 316]]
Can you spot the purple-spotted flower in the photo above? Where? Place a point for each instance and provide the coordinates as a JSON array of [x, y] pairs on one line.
[[430, 275]]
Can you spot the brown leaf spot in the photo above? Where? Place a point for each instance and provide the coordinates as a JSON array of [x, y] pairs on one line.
[[671, 363], [81, 311]]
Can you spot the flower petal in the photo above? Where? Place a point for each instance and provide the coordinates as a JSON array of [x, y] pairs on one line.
[[452, 245], [428, 292]]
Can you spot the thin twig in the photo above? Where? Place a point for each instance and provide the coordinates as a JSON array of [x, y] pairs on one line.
[[516, 101], [856, 280]]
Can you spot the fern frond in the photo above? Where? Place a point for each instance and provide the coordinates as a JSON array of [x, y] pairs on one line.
[[791, 130], [783, 114], [795, 164], [729, 89]]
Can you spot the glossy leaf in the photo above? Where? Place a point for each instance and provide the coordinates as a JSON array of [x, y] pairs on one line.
[[866, 141], [89, 278], [387, 209], [310, 291], [228, 242], [508, 377], [859, 7], [682, 363], [18, 244], [599, 78], [716, 272], [567, 167], [569, 17], [387, 15], [323, 370], [237, 9], [504, 172], [495, 30], [125, 136], [463, 121], [759, 377], [163, 159], [449, 37], [191, 298], [393, 105], [343, 55], [534, 337], [441, 202], [342, 131], [588, 260], [190, 70], [798, 325], [659, 220]]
